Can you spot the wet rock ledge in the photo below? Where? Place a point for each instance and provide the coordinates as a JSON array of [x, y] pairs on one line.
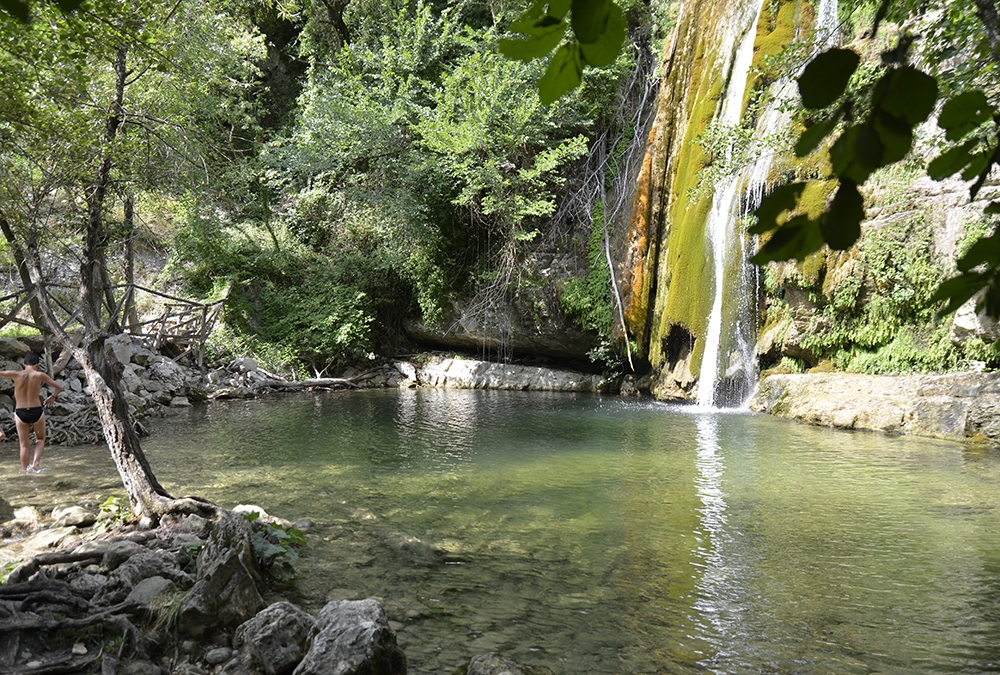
[[185, 598], [960, 406]]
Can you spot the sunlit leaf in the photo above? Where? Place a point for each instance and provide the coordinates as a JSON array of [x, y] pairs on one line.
[[825, 78], [565, 72], [539, 16], [963, 113], [910, 94], [780, 200], [605, 49], [842, 225]]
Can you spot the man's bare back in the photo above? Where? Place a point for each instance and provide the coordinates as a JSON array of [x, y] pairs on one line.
[[28, 414]]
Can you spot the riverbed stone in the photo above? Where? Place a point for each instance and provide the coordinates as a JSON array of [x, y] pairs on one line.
[[277, 637], [146, 590], [493, 664], [352, 637], [225, 592], [73, 515], [119, 551]]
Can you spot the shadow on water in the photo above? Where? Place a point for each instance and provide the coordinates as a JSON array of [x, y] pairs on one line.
[[592, 535]]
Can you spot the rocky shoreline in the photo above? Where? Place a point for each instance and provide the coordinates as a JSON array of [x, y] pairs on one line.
[[188, 597], [959, 407]]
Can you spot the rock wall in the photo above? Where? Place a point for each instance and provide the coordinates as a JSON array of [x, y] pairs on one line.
[[960, 406]]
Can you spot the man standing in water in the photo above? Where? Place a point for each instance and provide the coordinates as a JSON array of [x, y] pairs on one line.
[[28, 415]]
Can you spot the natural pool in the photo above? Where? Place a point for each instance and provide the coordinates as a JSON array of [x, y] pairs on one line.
[[595, 535]]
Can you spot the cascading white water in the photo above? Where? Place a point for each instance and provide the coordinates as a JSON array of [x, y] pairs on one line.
[[728, 210], [722, 219]]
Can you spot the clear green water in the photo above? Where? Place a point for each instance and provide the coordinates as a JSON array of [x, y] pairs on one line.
[[592, 535]]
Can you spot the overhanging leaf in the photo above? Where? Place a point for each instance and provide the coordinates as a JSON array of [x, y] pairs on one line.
[[565, 72], [796, 239], [958, 290], [951, 161], [986, 251], [963, 113], [590, 19], [605, 49], [540, 15], [16, 8], [781, 199], [536, 46], [910, 94], [825, 78], [842, 225], [810, 139]]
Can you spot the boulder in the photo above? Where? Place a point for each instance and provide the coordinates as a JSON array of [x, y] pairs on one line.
[[955, 406], [120, 348], [13, 349], [73, 515], [119, 551], [6, 510], [276, 637], [493, 664], [352, 637], [225, 592]]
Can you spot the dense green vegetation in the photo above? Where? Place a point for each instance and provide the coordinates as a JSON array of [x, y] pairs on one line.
[[336, 167]]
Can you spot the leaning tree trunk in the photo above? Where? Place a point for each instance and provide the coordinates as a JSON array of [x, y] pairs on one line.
[[147, 496]]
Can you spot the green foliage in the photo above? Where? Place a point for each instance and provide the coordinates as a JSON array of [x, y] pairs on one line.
[[5, 571], [288, 305], [275, 548], [115, 512], [879, 318]]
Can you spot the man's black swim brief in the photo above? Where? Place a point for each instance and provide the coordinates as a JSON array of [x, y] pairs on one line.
[[30, 415]]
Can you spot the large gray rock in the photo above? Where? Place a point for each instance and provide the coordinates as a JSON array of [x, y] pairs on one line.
[[276, 637], [957, 406], [352, 637], [13, 349], [226, 591], [471, 374]]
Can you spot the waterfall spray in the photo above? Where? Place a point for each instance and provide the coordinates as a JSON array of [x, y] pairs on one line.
[[725, 234], [722, 227]]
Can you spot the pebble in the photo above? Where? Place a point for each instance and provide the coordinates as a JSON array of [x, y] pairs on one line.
[[217, 656]]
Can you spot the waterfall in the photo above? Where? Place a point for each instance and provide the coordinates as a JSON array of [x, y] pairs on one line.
[[725, 234]]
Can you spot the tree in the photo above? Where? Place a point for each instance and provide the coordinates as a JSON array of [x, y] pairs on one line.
[[99, 103]]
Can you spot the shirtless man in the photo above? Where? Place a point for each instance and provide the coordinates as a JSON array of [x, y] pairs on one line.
[[28, 415]]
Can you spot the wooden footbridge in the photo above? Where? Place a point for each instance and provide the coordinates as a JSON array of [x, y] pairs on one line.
[[176, 325]]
